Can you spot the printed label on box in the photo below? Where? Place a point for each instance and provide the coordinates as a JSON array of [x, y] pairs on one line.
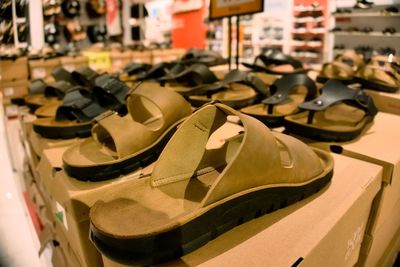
[[69, 67], [353, 242], [60, 215], [38, 73], [98, 60], [8, 91]]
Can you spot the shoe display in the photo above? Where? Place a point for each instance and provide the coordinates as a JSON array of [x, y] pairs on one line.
[[147, 134]]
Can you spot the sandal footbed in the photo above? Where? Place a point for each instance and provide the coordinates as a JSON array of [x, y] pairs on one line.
[[337, 123], [97, 165]]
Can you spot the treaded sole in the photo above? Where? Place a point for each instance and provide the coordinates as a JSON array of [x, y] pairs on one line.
[[81, 131], [196, 233], [110, 171]]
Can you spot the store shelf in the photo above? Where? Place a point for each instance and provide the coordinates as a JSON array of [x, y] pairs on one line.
[[365, 14], [371, 34]]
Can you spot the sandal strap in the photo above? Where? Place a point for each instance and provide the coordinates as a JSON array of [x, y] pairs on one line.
[[334, 92], [111, 91], [157, 71], [286, 84], [236, 76], [196, 74], [78, 106], [134, 68], [61, 74], [57, 89], [84, 76], [37, 86], [278, 58]]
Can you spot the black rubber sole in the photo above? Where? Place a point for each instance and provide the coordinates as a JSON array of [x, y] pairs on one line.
[[110, 171], [196, 233], [81, 131], [322, 79], [320, 134], [377, 87]]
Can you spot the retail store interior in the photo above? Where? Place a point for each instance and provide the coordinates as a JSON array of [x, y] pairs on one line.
[[199, 132]]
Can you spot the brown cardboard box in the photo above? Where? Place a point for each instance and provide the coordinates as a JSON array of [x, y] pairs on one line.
[[390, 255], [120, 59], [61, 237], [142, 57], [11, 89], [42, 68], [13, 70], [73, 199], [39, 143], [380, 145], [386, 102], [158, 56], [325, 229], [71, 63]]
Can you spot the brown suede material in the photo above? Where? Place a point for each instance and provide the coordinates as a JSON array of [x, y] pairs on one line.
[[153, 110], [188, 179]]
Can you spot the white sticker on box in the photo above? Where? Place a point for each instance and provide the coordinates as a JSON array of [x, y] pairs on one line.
[[69, 67], [8, 91], [117, 63], [38, 73], [61, 215], [353, 242]]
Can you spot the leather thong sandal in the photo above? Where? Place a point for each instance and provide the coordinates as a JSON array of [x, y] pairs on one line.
[[379, 76], [237, 89], [195, 194], [343, 67], [338, 114], [182, 79], [273, 61], [288, 93], [120, 145]]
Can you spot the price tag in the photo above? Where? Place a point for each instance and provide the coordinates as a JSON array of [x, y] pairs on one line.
[[38, 73], [8, 91], [228, 8], [98, 60]]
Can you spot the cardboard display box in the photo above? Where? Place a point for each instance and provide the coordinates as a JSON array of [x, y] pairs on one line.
[[42, 68], [386, 102], [120, 59], [12, 89], [13, 70], [72, 200], [39, 143], [142, 57], [72, 63], [325, 229], [379, 144]]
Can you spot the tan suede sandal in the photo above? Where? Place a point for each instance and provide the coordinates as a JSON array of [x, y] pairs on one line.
[[121, 145], [339, 114], [195, 194], [343, 67], [380, 76], [288, 92]]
